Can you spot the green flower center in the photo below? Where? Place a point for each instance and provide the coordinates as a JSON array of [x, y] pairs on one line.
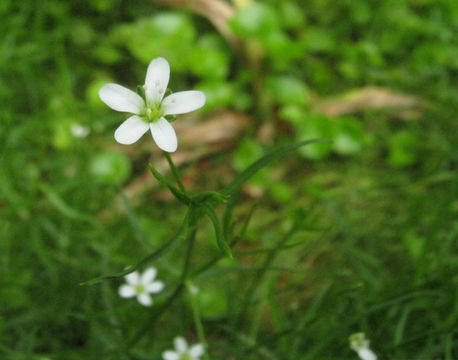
[[185, 357], [153, 113], [140, 289]]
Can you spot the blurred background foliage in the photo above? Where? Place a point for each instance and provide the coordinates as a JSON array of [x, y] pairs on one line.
[[358, 234]]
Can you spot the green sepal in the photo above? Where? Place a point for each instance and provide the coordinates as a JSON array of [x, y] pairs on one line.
[[141, 91], [168, 92], [170, 118]]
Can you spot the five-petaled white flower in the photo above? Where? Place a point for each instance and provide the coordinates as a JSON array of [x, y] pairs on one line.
[[360, 344], [149, 113], [183, 351], [141, 286]]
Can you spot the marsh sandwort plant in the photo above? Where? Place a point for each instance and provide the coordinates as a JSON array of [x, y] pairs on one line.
[[153, 110]]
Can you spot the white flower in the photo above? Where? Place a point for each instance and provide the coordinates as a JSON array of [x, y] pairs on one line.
[[192, 288], [149, 113], [80, 131], [183, 351], [360, 344], [141, 286]]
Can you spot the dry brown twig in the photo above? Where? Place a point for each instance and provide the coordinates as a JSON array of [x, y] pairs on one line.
[[368, 98]]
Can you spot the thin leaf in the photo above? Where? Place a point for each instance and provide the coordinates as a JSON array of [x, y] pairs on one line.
[[154, 255], [227, 216], [164, 181], [277, 153], [218, 230], [211, 197]]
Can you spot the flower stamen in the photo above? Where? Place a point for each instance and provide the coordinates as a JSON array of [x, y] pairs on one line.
[[153, 113]]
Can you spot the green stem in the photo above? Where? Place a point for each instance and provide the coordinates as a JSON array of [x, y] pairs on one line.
[[158, 312], [174, 170], [199, 324], [133, 219], [258, 278]]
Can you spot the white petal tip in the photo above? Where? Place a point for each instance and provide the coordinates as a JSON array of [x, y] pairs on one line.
[[183, 102], [171, 149], [120, 140], [120, 98], [130, 130], [164, 135]]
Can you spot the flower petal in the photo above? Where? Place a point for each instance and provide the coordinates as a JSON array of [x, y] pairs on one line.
[[183, 102], [148, 275], [164, 135], [196, 351], [154, 287], [144, 299], [120, 98], [181, 346], [170, 355], [131, 130], [366, 354], [157, 79], [132, 278], [126, 291]]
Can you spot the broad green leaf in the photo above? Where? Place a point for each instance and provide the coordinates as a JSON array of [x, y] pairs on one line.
[[169, 35], [218, 93], [287, 90], [291, 15], [255, 20], [282, 49], [402, 146], [110, 168], [349, 136], [316, 127], [210, 59], [317, 39]]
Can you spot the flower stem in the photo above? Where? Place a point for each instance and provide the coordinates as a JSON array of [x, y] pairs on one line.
[[191, 230], [198, 324], [175, 171]]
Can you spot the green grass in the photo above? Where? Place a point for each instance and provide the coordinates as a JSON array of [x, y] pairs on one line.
[[338, 243]]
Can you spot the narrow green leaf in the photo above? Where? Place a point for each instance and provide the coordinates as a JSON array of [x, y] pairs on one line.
[[164, 181], [181, 233], [277, 153], [212, 197], [141, 91], [270, 249], [227, 216], [218, 230], [66, 210]]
